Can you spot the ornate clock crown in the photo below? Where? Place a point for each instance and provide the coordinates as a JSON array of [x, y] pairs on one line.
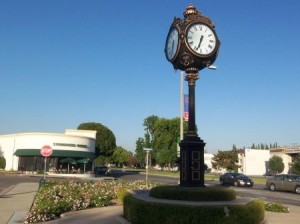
[[187, 59], [192, 14]]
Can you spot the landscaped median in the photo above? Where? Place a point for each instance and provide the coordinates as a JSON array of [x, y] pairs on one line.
[[60, 196], [189, 205], [140, 207]]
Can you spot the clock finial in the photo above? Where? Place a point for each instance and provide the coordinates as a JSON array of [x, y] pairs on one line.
[[190, 9]]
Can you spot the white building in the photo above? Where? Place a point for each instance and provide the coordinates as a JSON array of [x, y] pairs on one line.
[[207, 160], [22, 151], [254, 161]]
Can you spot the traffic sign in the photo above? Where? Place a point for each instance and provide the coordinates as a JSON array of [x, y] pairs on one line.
[[46, 151]]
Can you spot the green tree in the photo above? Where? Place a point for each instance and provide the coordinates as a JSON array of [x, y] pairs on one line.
[[165, 141], [120, 156], [105, 138], [102, 160], [148, 124], [140, 152], [296, 165], [226, 160], [267, 147], [234, 147], [161, 135], [276, 165]]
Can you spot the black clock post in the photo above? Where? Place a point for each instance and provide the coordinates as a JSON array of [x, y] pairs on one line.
[[192, 45]]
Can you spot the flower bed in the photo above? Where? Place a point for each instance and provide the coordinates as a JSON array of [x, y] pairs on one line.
[[56, 197]]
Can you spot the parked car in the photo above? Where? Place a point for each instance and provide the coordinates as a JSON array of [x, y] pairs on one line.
[[284, 182], [101, 170], [236, 179]]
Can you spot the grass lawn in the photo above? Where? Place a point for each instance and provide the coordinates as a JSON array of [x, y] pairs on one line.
[[208, 176]]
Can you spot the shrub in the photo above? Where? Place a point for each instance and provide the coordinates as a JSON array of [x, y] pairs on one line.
[[120, 195], [58, 196], [193, 194], [276, 207], [2, 163], [142, 212]]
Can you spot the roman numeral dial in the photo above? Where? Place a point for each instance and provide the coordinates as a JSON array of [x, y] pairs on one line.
[[201, 39], [172, 42]]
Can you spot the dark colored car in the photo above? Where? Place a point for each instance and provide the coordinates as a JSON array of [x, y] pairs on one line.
[[236, 179], [101, 170], [284, 182]]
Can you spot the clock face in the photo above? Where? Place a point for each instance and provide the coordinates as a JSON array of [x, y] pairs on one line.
[[201, 39], [172, 44]]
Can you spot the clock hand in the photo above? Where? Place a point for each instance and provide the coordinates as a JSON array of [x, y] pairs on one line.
[[201, 38], [172, 47]]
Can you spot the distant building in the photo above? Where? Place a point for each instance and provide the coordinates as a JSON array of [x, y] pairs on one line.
[[253, 161], [256, 161], [208, 161], [22, 151]]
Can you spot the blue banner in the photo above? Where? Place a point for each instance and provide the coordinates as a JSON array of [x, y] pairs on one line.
[[186, 107]]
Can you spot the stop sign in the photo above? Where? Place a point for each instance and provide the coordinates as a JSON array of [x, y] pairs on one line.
[[46, 150]]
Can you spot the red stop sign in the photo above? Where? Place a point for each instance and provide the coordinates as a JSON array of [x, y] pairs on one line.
[[46, 151]]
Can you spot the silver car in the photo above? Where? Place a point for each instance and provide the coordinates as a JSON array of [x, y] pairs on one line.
[[284, 182]]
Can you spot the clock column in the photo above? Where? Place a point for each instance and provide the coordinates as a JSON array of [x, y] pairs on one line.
[[192, 147]]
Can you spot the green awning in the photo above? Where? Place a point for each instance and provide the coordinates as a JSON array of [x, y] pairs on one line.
[[56, 153]]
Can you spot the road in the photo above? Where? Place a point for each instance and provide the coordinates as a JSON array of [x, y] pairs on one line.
[[258, 191], [9, 180]]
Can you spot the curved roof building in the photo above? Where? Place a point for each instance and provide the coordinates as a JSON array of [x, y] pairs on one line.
[[23, 151]]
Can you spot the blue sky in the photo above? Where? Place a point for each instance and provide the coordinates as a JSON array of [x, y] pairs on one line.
[[65, 62]]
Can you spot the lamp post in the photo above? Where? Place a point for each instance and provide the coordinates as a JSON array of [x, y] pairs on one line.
[[147, 161]]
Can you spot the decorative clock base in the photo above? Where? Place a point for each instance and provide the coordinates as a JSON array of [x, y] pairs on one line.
[[192, 162]]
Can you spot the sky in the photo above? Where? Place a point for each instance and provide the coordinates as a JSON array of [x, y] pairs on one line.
[[67, 62]]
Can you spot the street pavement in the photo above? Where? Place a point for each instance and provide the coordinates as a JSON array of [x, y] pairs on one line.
[[16, 201]]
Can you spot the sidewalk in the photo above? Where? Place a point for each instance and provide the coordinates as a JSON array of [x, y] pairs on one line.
[[16, 201], [293, 217]]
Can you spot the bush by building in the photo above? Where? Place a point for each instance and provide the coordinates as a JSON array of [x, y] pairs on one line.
[[2, 163]]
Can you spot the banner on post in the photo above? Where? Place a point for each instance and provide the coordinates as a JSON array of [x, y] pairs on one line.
[[186, 107]]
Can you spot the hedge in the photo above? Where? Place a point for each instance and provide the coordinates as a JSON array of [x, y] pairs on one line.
[[142, 212], [193, 194]]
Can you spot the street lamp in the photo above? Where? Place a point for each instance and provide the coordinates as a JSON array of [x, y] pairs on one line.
[[147, 161]]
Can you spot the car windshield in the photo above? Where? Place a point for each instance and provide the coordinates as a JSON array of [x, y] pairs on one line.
[[294, 178]]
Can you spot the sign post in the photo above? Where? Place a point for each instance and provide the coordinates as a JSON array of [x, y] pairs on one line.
[[46, 151], [147, 162]]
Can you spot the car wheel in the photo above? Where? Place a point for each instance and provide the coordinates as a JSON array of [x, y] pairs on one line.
[[272, 187], [236, 183], [221, 182], [297, 189]]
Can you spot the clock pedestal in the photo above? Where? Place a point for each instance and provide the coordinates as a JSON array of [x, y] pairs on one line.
[[192, 147], [192, 162]]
